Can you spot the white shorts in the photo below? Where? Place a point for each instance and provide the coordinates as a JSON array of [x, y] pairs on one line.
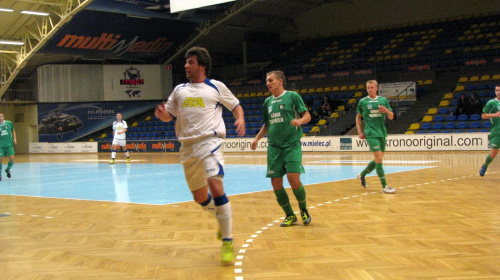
[[120, 142], [202, 161]]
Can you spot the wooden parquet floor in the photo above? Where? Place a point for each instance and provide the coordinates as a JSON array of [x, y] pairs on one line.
[[443, 223]]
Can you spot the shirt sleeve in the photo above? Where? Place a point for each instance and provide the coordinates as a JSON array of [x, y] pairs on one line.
[[226, 98], [301, 107], [171, 104]]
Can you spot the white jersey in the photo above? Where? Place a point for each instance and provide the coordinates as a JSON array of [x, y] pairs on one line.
[[197, 107], [118, 127]]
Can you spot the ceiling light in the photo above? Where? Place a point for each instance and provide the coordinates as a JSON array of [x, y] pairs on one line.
[[10, 42], [34, 13], [6, 10]]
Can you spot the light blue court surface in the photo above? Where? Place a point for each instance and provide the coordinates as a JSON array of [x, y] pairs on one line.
[[151, 183]]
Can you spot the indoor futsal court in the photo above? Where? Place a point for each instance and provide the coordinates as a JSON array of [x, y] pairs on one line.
[[74, 216]]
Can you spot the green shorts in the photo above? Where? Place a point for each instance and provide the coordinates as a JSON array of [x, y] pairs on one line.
[[7, 151], [376, 144], [495, 141], [284, 160]]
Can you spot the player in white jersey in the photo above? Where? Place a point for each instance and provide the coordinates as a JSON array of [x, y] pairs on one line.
[[200, 127], [119, 138]]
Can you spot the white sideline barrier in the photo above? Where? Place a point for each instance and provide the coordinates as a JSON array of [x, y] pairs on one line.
[[72, 147], [394, 142]]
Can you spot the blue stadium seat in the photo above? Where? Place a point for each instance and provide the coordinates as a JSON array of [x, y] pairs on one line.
[[474, 117], [449, 125], [437, 126], [451, 118], [486, 124], [421, 131], [462, 118], [425, 126], [438, 118], [445, 131], [443, 111], [461, 125], [475, 125]]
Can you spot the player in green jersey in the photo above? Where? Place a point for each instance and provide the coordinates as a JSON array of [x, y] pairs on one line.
[[372, 110], [491, 111], [7, 141], [283, 114]]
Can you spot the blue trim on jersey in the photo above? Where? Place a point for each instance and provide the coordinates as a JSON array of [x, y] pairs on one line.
[[215, 132], [208, 82], [213, 151], [221, 200], [216, 105], [221, 170]]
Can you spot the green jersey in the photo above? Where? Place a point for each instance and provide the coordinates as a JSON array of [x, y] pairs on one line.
[[6, 138], [277, 114], [374, 121], [491, 107]]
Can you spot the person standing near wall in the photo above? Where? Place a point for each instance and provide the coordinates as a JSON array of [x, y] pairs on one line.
[[7, 142], [119, 138], [491, 111]]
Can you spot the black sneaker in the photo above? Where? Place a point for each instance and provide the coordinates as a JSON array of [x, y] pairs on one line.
[[8, 173], [289, 220], [306, 218]]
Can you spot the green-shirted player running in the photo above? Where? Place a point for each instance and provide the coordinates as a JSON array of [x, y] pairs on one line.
[[372, 110], [7, 141], [283, 114], [491, 111]]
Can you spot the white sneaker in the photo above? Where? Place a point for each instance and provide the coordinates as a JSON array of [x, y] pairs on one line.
[[388, 189]]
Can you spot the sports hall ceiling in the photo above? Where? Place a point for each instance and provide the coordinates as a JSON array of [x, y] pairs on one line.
[[131, 31]]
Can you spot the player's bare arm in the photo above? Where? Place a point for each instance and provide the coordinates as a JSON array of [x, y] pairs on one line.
[[306, 117], [485, 116], [240, 120], [383, 109], [162, 113], [358, 126], [262, 132]]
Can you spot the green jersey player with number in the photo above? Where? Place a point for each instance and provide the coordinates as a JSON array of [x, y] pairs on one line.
[[283, 114], [7, 141], [491, 111], [372, 110]]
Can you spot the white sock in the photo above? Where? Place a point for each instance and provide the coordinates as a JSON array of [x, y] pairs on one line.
[[127, 154], [210, 207], [113, 154], [225, 220]]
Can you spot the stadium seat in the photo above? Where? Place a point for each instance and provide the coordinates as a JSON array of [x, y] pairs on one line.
[[449, 125], [409, 132], [474, 117], [427, 126], [431, 111], [485, 78], [475, 125], [438, 118], [444, 103], [461, 125], [448, 96], [437, 126], [474, 79], [463, 79], [462, 118], [428, 82], [414, 126], [459, 88], [451, 118], [486, 124], [427, 119], [444, 110]]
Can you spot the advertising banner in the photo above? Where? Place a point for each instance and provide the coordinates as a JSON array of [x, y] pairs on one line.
[[402, 90], [145, 146], [74, 147], [132, 82], [65, 122]]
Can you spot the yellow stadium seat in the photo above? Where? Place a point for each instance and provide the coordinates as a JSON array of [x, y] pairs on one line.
[[428, 82], [496, 77], [135, 124], [321, 122], [260, 93], [444, 103], [246, 94], [103, 135], [340, 108], [414, 126], [314, 129], [361, 86], [352, 87], [335, 88], [459, 88], [485, 78], [474, 79], [352, 101], [148, 118], [304, 90], [311, 90], [448, 51], [334, 115], [267, 93], [448, 96], [409, 132], [463, 79], [91, 140], [327, 89], [427, 119], [239, 95], [358, 94], [420, 82], [432, 111], [320, 89], [253, 94], [343, 88]]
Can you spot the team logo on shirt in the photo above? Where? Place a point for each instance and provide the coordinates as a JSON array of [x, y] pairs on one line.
[[282, 106], [193, 102], [369, 106], [270, 109]]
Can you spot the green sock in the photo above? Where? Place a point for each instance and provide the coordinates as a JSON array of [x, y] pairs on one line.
[[283, 201], [368, 169], [488, 160], [9, 166], [300, 194], [381, 174], [0, 168]]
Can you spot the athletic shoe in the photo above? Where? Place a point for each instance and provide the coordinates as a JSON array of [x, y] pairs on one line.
[[227, 254], [306, 218], [289, 220], [8, 173], [128, 160], [481, 171], [362, 179], [219, 235], [112, 161], [388, 189]]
